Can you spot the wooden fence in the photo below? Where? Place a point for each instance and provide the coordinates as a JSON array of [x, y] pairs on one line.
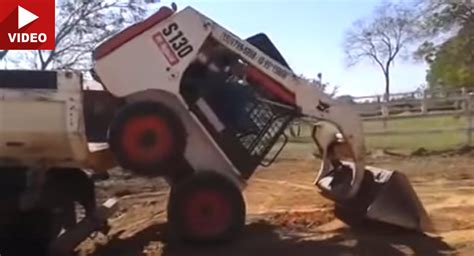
[[413, 107]]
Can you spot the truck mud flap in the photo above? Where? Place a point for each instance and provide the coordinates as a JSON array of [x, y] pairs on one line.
[[100, 108], [69, 240]]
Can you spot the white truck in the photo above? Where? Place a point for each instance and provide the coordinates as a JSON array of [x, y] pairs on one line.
[[44, 152]]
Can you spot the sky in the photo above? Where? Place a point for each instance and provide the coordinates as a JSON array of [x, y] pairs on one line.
[[309, 34]]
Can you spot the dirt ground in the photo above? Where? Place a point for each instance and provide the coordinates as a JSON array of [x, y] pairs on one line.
[[287, 216]]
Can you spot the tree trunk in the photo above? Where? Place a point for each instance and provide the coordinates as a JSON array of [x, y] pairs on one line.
[[3, 54], [387, 86]]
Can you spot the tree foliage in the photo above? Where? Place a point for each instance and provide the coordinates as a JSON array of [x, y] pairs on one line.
[[451, 62], [80, 26], [380, 39], [444, 16]]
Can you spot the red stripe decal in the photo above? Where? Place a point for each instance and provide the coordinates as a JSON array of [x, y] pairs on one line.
[[131, 32], [165, 48], [275, 88]]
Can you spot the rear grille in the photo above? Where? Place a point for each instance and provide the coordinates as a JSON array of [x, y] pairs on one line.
[[269, 126]]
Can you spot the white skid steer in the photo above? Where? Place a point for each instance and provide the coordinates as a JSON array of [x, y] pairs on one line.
[[203, 108]]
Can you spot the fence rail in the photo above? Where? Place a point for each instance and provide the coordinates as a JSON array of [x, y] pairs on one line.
[[413, 107]]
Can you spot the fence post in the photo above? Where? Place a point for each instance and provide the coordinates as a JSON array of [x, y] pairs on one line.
[[424, 103], [467, 105], [385, 113], [295, 129]]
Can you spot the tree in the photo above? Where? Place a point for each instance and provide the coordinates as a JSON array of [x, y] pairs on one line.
[[451, 62], [80, 26], [441, 20], [380, 39], [445, 16], [3, 54]]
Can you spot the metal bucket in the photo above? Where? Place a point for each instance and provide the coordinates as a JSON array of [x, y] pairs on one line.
[[386, 197], [100, 108]]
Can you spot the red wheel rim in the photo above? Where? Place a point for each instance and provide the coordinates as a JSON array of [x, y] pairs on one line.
[[147, 139], [207, 213]]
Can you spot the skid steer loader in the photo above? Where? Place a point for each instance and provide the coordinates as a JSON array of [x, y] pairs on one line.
[[204, 109]]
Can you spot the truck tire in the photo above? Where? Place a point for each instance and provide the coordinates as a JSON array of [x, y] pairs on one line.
[[30, 233], [147, 138], [206, 208]]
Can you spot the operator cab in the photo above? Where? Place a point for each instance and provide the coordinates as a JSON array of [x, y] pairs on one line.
[[243, 118]]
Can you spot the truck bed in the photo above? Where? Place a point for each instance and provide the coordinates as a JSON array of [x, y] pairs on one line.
[[28, 79], [43, 117]]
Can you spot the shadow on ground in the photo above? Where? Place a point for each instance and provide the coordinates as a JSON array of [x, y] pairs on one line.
[[264, 238]]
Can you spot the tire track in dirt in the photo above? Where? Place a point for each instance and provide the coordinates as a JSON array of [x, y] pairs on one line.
[[265, 195], [279, 203], [285, 183]]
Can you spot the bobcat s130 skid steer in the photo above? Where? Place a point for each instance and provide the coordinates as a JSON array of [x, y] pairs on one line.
[[204, 109]]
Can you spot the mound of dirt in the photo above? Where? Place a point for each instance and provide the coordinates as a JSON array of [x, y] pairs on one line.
[[453, 218], [420, 152], [464, 150], [301, 220], [288, 215]]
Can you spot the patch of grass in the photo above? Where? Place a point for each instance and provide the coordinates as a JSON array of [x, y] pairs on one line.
[[418, 123], [293, 150], [413, 142], [438, 141]]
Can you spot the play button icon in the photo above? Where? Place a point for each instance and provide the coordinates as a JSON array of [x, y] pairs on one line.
[[27, 24], [25, 17]]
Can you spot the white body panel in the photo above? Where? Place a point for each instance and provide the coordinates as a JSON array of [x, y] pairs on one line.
[[43, 126], [138, 70], [139, 64]]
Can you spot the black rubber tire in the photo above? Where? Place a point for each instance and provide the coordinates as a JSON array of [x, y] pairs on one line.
[[63, 189], [188, 191], [166, 138]]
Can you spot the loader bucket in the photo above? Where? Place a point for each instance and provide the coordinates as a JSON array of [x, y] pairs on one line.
[[397, 203], [384, 197]]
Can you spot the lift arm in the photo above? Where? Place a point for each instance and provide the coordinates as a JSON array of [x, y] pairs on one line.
[[338, 133]]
